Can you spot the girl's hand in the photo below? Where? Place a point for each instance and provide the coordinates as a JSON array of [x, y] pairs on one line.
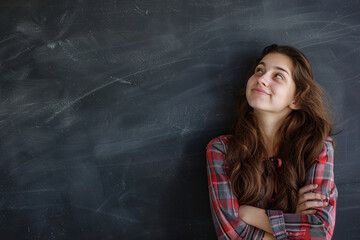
[[308, 200]]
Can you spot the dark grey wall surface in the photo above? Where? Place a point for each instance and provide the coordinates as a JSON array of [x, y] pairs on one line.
[[107, 106]]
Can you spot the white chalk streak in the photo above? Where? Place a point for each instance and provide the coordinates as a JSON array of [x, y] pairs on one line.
[[55, 114], [107, 213]]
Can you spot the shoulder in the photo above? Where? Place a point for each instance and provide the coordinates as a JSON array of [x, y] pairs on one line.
[[218, 144], [327, 153]]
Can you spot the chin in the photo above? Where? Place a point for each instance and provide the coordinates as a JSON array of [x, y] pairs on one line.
[[256, 104]]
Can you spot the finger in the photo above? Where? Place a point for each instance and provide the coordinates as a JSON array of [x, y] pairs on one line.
[[314, 196], [309, 205], [312, 204], [307, 212], [307, 188], [311, 196]]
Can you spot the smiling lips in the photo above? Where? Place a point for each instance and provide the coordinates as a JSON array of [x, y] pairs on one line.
[[260, 91]]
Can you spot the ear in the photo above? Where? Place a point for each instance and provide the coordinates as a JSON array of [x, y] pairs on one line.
[[293, 105]]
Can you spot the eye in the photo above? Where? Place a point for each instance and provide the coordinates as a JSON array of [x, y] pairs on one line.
[[278, 75], [258, 70]]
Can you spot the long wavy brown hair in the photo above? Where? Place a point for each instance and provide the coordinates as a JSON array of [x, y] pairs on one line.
[[299, 141]]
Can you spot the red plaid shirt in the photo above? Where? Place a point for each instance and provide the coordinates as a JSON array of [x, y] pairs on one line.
[[224, 205]]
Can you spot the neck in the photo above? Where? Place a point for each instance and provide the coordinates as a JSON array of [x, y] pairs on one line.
[[269, 124]]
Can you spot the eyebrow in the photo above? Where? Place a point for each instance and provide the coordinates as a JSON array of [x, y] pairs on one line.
[[279, 68]]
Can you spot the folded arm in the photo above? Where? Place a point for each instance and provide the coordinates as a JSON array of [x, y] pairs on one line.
[[224, 205], [319, 225]]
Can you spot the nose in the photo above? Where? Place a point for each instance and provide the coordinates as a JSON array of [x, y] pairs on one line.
[[263, 80]]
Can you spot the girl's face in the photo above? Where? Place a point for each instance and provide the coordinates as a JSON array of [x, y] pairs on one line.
[[271, 88]]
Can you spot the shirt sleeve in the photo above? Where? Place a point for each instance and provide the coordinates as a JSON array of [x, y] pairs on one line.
[[313, 226], [224, 205]]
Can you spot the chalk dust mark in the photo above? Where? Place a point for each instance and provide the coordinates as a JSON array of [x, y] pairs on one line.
[[351, 78], [343, 123], [122, 80], [63, 17], [318, 43], [30, 191], [79, 53], [123, 195], [139, 10], [107, 213], [51, 45], [348, 28], [332, 33], [103, 204], [18, 54], [7, 38], [345, 55], [29, 207], [337, 20], [349, 208], [66, 22]]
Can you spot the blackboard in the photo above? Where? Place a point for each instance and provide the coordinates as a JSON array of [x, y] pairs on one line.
[[107, 106]]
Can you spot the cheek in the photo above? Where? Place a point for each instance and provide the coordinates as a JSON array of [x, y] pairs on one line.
[[290, 93], [250, 82], [284, 93], [249, 85]]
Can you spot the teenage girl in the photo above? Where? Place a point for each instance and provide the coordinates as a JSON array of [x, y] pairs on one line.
[[273, 178]]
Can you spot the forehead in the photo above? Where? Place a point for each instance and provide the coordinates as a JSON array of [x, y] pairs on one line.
[[278, 60]]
